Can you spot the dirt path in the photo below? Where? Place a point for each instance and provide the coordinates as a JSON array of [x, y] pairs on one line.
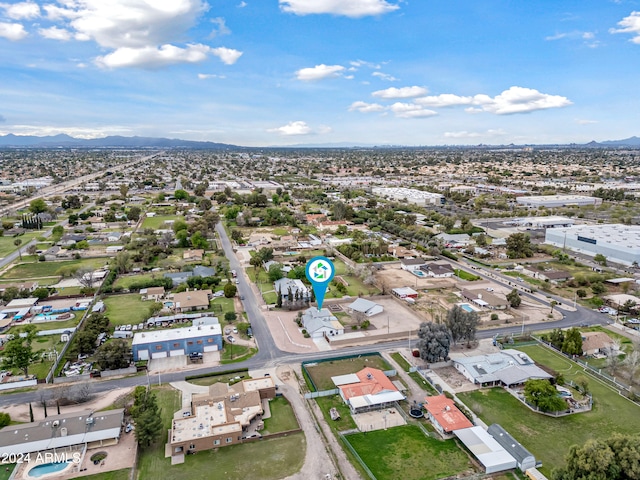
[[323, 448]]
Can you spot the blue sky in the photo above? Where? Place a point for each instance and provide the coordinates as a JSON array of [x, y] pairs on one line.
[[286, 72]]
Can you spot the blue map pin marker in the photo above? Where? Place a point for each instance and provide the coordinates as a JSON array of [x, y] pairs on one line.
[[320, 272]]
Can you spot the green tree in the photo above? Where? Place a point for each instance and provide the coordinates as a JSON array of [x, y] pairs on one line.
[[18, 352], [581, 293], [572, 342], [134, 213], [199, 241], [113, 354], [5, 419], [122, 262], [519, 246], [514, 299], [275, 272], [540, 393], [600, 259], [146, 415], [181, 195], [462, 324], [17, 242], [38, 206], [434, 341], [230, 290], [614, 458], [230, 317]]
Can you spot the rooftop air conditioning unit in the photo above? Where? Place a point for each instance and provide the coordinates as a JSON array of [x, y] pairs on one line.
[[55, 423]]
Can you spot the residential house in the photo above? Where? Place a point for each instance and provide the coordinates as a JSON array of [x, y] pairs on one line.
[[86, 429], [21, 286], [483, 298], [154, 294], [596, 342], [201, 271], [178, 278], [224, 416], [192, 300], [506, 368], [368, 389], [290, 288], [71, 239], [444, 415], [411, 264], [321, 323], [176, 341], [438, 270], [456, 240], [193, 255], [367, 307], [554, 276]]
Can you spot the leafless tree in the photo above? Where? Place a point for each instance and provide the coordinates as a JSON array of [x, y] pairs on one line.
[[85, 277]]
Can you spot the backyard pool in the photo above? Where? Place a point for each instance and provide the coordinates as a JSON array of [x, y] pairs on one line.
[[168, 304], [44, 318], [47, 468], [466, 307], [419, 273]]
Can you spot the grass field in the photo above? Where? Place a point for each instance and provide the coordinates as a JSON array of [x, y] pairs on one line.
[[549, 438], [335, 401], [282, 417], [240, 353], [267, 460], [7, 246], [224, 378], [115, 475], [127, 281], [26, 271], [404, 452], [401, 361], [159, 220], [322, 372], [126, 309]]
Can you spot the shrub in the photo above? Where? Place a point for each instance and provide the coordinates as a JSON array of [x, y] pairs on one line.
[[494, 316], [5, 419]]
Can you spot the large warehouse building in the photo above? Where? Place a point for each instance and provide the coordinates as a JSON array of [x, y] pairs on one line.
[[552, 201], [177, 341], [410, 195], [619, 243]]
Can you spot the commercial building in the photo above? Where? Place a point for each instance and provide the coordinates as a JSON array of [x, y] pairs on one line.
[[551, 221], [410, 195], [94, 429], [618, 243], [554, 201], [177, 341]]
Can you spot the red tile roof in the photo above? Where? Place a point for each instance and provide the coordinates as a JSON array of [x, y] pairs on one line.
[[445, 412], [372, 381]]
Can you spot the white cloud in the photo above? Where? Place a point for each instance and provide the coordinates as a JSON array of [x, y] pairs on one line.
[[411, 110], [364, 63], [220, 28], [319, 72], [444, 100], [519, 100], [228, 56], [12, 31], [584, 121], [77, 132], [366, 107], [465, 134], [630, 24], [348, 8], [152, 57], [242, 4], [55, 33], [403, 92], [557, 36], [385, 76], [21, 10], [204, 76], [588, 38], [292, 128]]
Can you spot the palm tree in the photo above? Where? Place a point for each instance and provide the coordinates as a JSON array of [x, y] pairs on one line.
[[17, 242]]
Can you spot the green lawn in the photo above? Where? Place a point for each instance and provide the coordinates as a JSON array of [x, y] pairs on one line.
[[7, 246], [126, 309], [405, 452], [401, 361], [128, 280], [159, 220], [26, 271], [549, 438], [322, 372], [224, 378], [335, 401], [240, 353], [115, 475], [6, 471], [267, 459], [282, 417], [426, 386]]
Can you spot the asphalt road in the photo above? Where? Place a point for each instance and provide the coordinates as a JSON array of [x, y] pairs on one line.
[[269, 355]]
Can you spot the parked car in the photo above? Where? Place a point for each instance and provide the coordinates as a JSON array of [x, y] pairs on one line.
[[230, 339]]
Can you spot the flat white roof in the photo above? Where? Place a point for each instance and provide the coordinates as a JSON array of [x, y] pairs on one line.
[[486, 449], [626, 237], [176, 334], [345, 379]]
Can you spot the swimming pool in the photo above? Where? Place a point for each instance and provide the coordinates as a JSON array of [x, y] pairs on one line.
[[47, 468], [42, 317], [466, 307]]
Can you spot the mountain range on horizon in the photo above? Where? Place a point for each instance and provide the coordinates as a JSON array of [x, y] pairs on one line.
[[66, 141]]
